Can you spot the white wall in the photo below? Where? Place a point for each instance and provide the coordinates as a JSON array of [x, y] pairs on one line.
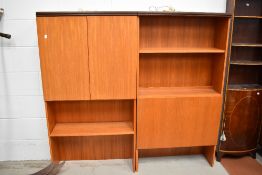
[[23, 133]]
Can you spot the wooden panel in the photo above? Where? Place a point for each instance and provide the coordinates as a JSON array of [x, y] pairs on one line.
[[177, 32], [178, 122], [242, 120], [171, 92], [91, 111], [113, 51], [175, 70], [181, 50], [93, 148], [92, 129], [64, 57]]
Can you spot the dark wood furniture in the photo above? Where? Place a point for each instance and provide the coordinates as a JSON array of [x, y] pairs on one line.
[[101, 70], [242, 115]]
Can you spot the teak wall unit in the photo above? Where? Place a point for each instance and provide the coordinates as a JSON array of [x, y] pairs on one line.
[[243, 105], [132, 84]]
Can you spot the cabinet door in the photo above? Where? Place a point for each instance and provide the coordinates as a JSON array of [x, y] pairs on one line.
[[113, 55], [242, 120], [64, 57], [178, 122]]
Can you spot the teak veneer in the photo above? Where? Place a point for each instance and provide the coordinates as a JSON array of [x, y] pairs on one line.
[[132, 84]]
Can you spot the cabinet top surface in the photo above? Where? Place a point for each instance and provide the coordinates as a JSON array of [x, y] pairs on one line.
[[127, 13]]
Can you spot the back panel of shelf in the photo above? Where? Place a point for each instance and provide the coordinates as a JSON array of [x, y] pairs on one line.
[[248, 8]]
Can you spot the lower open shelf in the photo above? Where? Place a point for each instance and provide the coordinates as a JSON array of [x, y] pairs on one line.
[[92, 129], [166, 92]]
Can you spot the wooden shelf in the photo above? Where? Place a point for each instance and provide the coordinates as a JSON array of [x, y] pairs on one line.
[[246, 62], [92, 129], [170, 92], [181, 50], [244, 87], [246, 45], [249, 17]]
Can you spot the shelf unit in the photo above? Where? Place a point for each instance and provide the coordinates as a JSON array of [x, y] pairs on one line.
[[241, 119], [181, 69]]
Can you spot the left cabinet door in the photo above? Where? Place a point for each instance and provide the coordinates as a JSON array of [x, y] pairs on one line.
[[64, 57]]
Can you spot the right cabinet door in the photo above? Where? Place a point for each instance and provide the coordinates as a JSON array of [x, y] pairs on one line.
[[113, 56], [242, 120]]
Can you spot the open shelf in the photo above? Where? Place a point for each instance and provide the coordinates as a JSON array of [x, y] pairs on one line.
[[246, 45], [182, 50], [92, 129], [246, 62], [166, 92], [244, 87], [246, 32], [249, 17]]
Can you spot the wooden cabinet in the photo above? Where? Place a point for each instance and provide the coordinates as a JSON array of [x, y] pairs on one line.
[[242, 110], [134, 84], [242, 120], [113, 53], [102, 52], [63, 40]]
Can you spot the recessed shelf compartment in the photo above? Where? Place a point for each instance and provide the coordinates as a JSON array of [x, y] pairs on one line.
[[82, 129], [249, 55], [242, 74], [172, 92], [181, 70], [181, 50], [247, 32], [92, 129], [182, 34]]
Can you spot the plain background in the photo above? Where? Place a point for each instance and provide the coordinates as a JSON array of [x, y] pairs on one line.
[[23, 131]]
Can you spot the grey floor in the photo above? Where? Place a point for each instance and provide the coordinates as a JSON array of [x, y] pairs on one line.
[[184, 165]]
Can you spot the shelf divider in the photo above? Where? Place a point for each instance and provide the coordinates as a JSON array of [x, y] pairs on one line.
[[92, 129]]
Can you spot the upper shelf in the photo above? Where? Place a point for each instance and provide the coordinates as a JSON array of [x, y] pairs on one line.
[[92, 129], [246, 45], [246, 62], [249, 17], [170, 92], [181, 50]]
